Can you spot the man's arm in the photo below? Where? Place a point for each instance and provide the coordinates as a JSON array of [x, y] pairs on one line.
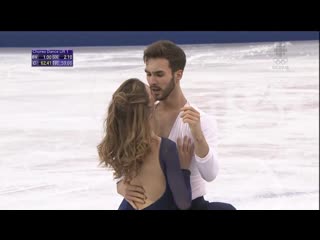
[[208, 165], [204, 132]]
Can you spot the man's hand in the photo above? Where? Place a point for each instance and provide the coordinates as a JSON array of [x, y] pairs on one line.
[[192, 117], [132, 193], [186, 151]]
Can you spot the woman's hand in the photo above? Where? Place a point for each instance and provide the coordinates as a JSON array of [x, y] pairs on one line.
[[186, 151]]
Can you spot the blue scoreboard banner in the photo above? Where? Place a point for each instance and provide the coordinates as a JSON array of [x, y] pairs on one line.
[[52, 58]]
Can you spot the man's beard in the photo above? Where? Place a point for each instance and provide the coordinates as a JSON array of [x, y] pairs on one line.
[[165, 92]]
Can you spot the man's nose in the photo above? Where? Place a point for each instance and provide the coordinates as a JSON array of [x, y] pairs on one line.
[[152, 80]]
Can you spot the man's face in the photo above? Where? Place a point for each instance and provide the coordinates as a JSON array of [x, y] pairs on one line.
[[160, 78]]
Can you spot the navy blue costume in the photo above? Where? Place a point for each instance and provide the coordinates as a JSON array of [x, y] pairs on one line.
[[177, 194], [201, 204]]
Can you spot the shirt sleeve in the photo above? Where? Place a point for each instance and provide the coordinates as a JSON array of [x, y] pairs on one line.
[[178, 179], [208, 166]]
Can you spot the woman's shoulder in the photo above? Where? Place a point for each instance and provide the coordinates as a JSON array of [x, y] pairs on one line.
[[167, 143], [167, 140]]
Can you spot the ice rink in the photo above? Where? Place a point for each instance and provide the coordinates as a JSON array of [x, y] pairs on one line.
[[266, 105]]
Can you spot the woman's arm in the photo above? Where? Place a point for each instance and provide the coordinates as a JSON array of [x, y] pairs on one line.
[[177, 171]]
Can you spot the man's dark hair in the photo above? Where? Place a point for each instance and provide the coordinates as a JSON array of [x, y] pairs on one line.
[[167, 50]]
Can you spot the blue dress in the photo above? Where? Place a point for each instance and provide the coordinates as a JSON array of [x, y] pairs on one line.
[[177, 194]]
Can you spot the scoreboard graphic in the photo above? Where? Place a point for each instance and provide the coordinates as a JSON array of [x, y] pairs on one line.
[[52, 58]]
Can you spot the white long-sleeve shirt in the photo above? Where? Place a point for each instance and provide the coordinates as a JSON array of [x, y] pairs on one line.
[[202, 169]]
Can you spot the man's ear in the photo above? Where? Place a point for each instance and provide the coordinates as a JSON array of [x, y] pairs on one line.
[[178, 74]]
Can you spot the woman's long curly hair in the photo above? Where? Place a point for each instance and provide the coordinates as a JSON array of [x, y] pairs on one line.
[[127, 130]]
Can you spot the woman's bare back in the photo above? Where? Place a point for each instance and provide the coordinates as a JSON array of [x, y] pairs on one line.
[[151, 177]]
